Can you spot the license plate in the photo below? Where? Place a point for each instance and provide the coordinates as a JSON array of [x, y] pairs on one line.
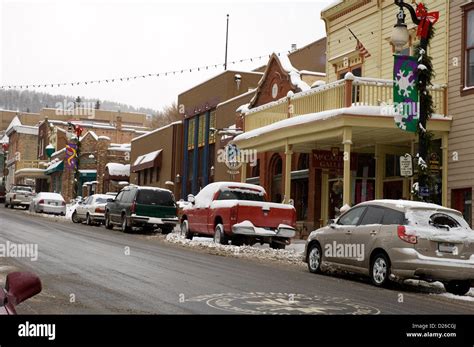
[[53, 203], [446, 247]]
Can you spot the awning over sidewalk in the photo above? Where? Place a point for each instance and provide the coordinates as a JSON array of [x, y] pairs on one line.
[[55, 167], [146, 161]]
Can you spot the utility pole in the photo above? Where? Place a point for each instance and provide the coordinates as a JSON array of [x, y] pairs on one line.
[[226, 42]]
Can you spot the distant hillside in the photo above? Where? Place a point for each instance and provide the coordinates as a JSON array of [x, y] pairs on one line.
[[31, 101]]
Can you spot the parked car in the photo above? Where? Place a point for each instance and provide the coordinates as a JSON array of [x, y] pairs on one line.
[[19, 286], [19, 195], [398, 239], [145, 207], [92, 209], [3, 192], [238, 212], [49, 203]]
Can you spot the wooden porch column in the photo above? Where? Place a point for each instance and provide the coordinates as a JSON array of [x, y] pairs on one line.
[[324, 196], [379, 165], [444, 169], [347, 142], [288, 156], [243, 173]]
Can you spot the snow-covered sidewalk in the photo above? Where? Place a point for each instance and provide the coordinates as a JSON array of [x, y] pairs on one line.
[[292, 255]]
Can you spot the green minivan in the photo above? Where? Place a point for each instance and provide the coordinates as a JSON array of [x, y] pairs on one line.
[[144, 207]]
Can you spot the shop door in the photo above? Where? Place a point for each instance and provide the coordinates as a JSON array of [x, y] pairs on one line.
[[462, 201], [393, 190]]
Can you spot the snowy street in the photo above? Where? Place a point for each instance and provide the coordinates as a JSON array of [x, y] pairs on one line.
[[88, 269]]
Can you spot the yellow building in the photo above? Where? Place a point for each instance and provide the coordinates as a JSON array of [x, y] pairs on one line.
[[346, 126]]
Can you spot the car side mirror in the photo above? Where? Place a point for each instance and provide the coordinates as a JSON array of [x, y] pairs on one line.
[[21, 286], [331, 223], [191, 199]]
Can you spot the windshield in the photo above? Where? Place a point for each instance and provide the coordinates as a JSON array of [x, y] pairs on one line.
[[155, 197], [241, 195]]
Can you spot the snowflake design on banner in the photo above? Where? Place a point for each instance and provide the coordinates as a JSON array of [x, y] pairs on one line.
[[404, 84]]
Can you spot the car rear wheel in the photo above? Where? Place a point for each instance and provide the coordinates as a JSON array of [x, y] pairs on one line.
[[457, 287], [75, 218], [11, 206], [315, 258], [6, 204], [88, 219], [108, 225], [380, 270], [125, 227], [219, 235], [185, 230]]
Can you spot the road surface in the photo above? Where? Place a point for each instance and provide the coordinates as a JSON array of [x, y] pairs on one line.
[[88, 269]]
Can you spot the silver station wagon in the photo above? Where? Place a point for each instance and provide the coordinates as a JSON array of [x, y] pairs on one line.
[[397, 239]]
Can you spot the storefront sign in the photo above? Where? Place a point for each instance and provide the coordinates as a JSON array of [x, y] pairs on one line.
[[332, 160], [406, 165]]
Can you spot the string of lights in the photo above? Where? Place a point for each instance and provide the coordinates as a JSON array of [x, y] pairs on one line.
[[132, 78], [160, 74]]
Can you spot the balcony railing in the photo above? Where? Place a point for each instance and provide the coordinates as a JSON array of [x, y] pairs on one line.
[[30, 164], [359, 91]]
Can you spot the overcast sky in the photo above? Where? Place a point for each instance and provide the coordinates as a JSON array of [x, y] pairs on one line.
[[51, 41]]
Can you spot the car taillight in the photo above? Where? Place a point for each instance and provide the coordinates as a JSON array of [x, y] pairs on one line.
[[64, 203], [133, 207], [41, 202], [99, 210], [233, 214], [404, 237]]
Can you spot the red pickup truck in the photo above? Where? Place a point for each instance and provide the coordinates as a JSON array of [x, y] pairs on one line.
[[240, 213]]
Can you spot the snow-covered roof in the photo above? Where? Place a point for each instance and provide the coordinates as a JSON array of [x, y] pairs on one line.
[[120, 147], [89, 132], [15, 122], [334, 3], [106, 138], [380, 111], [4, 139], [87, 171], [251, 91], [156, 130], [295, 76], [23, 129], [117, 169], [146, 158], [54, 165]]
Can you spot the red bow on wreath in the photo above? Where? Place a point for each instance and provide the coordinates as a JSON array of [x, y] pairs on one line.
[[426, 18]]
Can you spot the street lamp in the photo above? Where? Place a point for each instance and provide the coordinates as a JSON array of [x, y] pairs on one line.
[[400, 37]]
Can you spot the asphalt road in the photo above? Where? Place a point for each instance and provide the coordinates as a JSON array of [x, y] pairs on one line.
[[93, 270]]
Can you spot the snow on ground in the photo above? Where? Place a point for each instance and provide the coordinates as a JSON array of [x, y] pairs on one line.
[[291, 255], [437, 289]]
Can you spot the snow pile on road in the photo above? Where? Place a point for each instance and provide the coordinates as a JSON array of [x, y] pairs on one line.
[[250, 252], [437, 288]]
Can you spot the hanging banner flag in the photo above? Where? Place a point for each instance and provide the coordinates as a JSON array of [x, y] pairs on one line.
[[405, 93], [71, 156]]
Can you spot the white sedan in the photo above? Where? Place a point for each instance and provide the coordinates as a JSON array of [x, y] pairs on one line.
[[92, 209], [48, 203]]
